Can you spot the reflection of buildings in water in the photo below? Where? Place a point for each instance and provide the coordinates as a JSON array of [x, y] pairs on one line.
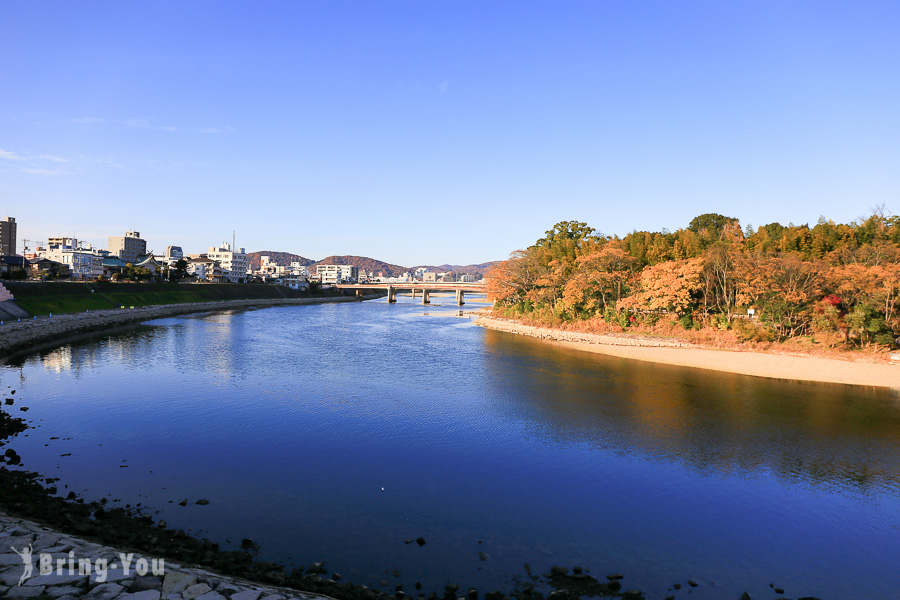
[[708, 421], [125, 347], [210, 343], [58, 360]]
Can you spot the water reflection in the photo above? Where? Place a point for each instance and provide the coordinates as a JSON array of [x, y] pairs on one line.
[[815, 434]]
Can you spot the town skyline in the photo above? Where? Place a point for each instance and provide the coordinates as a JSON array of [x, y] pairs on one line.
[[422, 132]]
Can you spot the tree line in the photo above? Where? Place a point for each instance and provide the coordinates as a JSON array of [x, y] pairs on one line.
[[837, 281]]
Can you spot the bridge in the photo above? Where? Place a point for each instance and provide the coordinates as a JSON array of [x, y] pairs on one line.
[[414, 287]]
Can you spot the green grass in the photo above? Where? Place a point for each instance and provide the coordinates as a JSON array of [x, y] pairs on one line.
[[67, 297]]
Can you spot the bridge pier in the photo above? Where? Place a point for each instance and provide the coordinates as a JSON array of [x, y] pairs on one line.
[[425, 299], [414, 293], [460, 298], [392, 294]]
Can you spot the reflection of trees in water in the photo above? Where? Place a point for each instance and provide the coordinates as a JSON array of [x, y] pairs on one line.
[[718, 423]]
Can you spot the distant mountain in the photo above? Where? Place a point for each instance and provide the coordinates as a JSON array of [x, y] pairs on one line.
[[364, 262], [479, 268], [279, 258]]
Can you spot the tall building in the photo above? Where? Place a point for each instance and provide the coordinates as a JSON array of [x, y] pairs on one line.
[[234, 263], [127, 247], [7, 236]]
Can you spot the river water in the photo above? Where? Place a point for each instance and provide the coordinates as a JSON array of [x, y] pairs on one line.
[[339, 432]]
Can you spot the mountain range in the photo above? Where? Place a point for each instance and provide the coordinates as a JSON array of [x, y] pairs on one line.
[[361, 262]]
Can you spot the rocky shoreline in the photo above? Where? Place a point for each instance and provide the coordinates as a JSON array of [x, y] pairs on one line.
[[100, 572], [24, 334]]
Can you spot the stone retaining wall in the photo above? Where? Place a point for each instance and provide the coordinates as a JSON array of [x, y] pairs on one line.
[[21, 335], [114, 574], [608, 339]]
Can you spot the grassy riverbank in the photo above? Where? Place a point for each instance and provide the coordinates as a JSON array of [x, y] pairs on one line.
[[58, 297]]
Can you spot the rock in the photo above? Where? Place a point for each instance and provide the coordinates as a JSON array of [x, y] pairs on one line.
[[227, 589], [105, 591], [175, 583], [557, 570], [692, 583], [198, 589], [54, 579], [779, 590], [632, 595], [211, 596], [145, 595], [247, 595], [746, 596], [677, 586], [25, 592], [615, 576], [420, 541], [112, 575], [484, 556], [202, 501], [142, 583], [66, 590]]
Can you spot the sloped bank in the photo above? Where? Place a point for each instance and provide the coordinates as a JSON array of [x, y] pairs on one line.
[[679, 353], [22, 335]]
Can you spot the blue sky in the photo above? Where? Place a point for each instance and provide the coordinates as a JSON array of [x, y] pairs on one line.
[[423, 132]]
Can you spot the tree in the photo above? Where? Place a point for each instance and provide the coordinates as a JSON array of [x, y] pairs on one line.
[[712, 222], [601, 279], [672, 286], [181, 267]]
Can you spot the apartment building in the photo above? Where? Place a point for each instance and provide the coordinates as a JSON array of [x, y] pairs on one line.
[[234, 264], [127, 247], [7, 236], [337, 273]]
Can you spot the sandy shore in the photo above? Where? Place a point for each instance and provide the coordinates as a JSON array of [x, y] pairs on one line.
[[673, 352]]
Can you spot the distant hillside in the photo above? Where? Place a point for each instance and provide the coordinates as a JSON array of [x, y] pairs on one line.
[[479, 268], [279, 258], [364, 262]]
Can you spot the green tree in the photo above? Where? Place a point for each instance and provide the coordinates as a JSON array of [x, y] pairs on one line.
[[712, 222]]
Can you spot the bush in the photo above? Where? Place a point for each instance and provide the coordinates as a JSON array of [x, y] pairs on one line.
[[750, 331]]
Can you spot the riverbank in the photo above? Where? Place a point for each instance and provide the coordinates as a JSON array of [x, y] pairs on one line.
[[22, 335], [112, 573], [674, 352]]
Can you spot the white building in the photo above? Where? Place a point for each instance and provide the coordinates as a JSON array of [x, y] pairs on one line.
[[234, 264], [83, 261], [337, 273]]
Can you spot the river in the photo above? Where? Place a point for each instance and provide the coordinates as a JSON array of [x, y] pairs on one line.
[[340, 432]]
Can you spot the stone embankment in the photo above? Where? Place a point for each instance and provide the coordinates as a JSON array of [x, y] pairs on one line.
[[606, 339], [112, 574], [25, 333]]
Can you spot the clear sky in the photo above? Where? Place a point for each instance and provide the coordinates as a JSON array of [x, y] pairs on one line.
[[433, 131]]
